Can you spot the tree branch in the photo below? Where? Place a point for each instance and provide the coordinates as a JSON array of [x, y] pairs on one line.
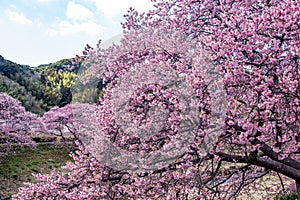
[[263, 162]]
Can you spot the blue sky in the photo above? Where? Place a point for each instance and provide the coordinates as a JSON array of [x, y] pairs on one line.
[[35, 32]]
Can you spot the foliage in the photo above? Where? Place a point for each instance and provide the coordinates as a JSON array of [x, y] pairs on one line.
[[66, 122], [15, 123], [253, 44], [22, 83], [38, 88], [58, 121], [292, 196], [8, 68], [64, 65], [58, 88]]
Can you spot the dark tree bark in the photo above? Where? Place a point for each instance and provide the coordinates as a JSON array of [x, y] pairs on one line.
[[298, 189]]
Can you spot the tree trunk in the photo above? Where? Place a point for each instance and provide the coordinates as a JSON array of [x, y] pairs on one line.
[[298, 189]]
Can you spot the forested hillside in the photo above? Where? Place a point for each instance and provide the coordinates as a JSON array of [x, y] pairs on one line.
[[38, 88]]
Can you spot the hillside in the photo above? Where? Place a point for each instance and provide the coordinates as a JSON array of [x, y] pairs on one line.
[[38, 88]]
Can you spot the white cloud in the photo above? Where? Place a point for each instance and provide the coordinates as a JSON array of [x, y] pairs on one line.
[[43, 1], [66, 28], [78, 12], [81, 21], [112, 8], [18, 17]]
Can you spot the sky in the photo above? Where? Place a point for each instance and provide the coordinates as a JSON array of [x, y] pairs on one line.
[[34, 32]]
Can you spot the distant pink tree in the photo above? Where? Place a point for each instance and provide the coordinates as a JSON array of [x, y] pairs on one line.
[[58, 121], [65, 122], [253, 44], [15, 123]]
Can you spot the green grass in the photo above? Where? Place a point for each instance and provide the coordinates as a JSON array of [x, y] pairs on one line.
[[292, 196], [16, 169]]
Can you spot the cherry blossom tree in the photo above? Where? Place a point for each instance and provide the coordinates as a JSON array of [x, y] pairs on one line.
[[58, 121], [255, 44], [173, 65], [15, 124], [65, 122]]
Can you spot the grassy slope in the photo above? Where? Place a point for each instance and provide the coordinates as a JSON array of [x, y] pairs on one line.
[[15, 170]]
